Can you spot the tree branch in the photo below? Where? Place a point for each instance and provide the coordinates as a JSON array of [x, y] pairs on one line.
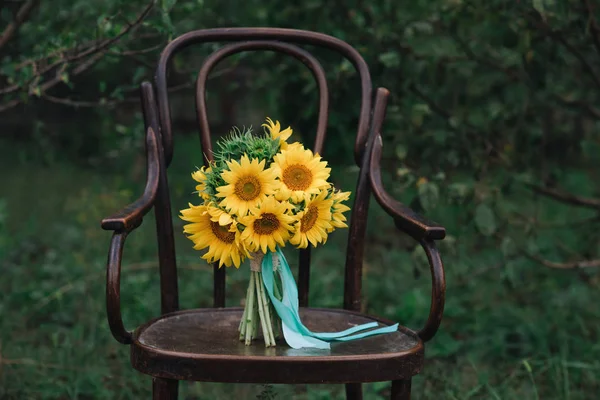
[[512, 74], [593, 24], [430, 102], [98, 46], [94, 51], [126, 53], [106, 102], [523, 220], [10, 104], [438, 109], [104, 44], [567, 265], [22, 15], [567, 197], [84, 103], [60, 52], [81, 67], [586, 107], [557, 37]]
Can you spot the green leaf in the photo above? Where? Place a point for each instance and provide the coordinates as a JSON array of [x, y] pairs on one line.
[[403, 172], [459, 190], [168, 23], [485, 220], [449, 244], [539, 7], [167, 5], [390, 59], [139, 74], [444, 345], [527, 366], [508, 247], [401, 152], [418, 113], [419, 256], [428, 195], [422, 108]]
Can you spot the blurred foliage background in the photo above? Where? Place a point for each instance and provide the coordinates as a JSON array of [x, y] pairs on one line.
[[492, 131]]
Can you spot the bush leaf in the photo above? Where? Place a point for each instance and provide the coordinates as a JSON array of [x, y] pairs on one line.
[[485, 220]]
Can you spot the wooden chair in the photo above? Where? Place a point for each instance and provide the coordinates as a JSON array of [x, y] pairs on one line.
[[202, 344]]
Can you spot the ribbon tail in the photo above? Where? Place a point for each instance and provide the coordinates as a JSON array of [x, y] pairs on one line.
[[295, 333], [336, 335], [296, 340], [379, 331], [290, 321]]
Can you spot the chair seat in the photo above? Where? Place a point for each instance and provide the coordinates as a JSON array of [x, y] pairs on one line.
[[203, 345]]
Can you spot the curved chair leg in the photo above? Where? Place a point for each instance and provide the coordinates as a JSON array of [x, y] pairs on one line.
[[353, 391], [401, 389], [164, 389]]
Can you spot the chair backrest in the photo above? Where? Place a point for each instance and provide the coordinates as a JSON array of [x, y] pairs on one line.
[[158, 116]]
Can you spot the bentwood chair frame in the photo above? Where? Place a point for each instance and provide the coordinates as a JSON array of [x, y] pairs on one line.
[[166, 347]]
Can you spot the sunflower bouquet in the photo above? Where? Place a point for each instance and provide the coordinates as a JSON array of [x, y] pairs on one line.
[[259, 194]]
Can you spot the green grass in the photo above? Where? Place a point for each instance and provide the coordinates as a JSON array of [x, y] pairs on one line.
[[512, 329]]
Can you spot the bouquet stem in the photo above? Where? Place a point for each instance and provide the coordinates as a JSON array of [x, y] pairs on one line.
[[258, 311], [250, 313], [267, 317]]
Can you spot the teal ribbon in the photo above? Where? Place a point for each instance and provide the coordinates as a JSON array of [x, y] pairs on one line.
[[295, 333]]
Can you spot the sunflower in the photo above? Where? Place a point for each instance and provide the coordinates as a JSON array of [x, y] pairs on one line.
[[294, 146], [313, 222], [200, 176], [220, 216], [222, 241], [248, 184], [300, 172], [275, 131], [267, 226], [337, 217]]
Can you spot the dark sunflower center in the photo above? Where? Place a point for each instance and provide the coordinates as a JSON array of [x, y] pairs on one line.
[[297, 177], [266, 224], [222, 232], [309, 219], [247, 188]]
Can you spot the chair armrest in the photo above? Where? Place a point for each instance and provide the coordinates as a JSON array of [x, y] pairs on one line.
[[122, 223], [405, 219], [438, 291], [422, 230], [113, 288], [132, 216]]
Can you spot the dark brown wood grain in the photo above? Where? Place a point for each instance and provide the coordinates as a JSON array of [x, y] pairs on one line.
[[164, 389], [422, 230], [219, 276], [354, 391], [254, 34], [358, 220], [205, 136], [122, 223], [303, 277], [401, 389], [113, 289], [438, 291], [132, 215], [406, 219], [203, 344], [302, 55], [169, 294]]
